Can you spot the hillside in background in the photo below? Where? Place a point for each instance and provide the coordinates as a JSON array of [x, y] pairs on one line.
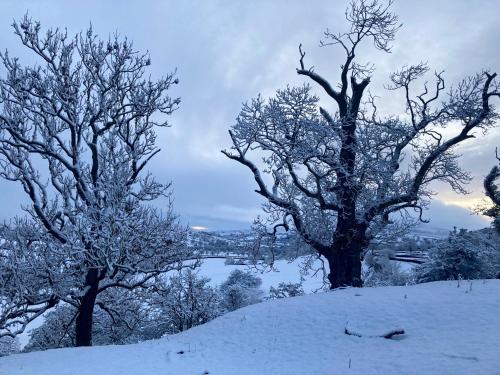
[[237, 247]]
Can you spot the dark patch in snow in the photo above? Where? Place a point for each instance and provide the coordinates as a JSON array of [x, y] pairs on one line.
[[388, 335]]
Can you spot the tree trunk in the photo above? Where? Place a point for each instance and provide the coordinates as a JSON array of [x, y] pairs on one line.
[[344, 260], [86, 309]]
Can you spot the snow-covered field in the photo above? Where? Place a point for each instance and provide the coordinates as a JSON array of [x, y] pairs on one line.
[[284, 271], [449, 330]]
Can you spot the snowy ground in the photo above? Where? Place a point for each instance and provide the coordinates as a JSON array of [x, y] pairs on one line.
[[285, 271], [449, 330]]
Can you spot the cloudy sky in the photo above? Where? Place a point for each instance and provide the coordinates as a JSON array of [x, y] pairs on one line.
[[226, 52]]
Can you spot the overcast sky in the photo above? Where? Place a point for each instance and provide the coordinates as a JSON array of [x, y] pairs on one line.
[[227, 52]]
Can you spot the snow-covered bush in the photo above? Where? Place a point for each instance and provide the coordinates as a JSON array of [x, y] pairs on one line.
[[285, 290], [8, 346], [57, 331], [381, 271], [239, 290], [122, 317], [464, 254], [185, 301]]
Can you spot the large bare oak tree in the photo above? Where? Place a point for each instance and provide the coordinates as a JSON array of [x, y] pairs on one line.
[[337, 176]]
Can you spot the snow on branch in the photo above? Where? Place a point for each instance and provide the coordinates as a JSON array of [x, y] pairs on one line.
[[337, 175], [77, 132]]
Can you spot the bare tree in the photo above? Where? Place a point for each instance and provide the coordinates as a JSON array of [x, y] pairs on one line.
[[182, 302], [338, 176], [77, 131]]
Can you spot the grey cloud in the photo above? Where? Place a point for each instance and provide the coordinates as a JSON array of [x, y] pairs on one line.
[[228, 51]]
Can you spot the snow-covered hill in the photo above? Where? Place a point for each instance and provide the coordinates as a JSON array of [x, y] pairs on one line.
[[449, 330]]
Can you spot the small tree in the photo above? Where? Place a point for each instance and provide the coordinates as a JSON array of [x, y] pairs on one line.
[[56, 331], [492, 192], [9, 345], [381, 271], [185, 301], [337, 177], [239, 290], [464, 255], [77, 131], [286, 290]]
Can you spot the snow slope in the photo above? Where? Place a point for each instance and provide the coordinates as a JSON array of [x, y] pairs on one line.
[[449, 330]]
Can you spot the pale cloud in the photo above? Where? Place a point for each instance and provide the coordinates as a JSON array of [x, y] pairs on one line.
[[467, 202], [449, 215], [245, 214]]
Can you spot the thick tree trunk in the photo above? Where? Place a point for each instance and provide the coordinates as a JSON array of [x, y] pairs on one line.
[[86, 309], [345, 267], [344, 259]]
